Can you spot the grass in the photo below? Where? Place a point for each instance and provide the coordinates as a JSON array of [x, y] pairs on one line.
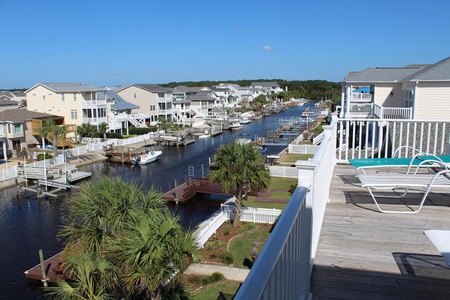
[[241, 246], [280, 196], [282, 183], [293, 157], [224, 290]]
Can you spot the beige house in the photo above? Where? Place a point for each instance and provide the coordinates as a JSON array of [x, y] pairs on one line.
[[411, 92], [77, 103], [153, 100]]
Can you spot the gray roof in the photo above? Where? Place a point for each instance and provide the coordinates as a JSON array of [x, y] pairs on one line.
[[8, 103], [382, 75], [184, 89], [264, 84], [119, 102], [440, 71], [154, 88], [67, 87], [22, 115], [201, 96]]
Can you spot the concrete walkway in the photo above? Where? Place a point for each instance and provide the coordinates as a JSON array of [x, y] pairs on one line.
[[228, 272]]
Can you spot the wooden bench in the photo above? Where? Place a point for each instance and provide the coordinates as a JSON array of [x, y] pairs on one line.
[[441, 240]]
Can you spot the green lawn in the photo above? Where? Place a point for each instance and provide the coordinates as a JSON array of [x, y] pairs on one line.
[[241, 246], [293, 157], [225, 289]]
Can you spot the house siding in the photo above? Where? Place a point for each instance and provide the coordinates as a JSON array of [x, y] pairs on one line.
[[432, 101], [143, 99], [54, 105], [383, 95]]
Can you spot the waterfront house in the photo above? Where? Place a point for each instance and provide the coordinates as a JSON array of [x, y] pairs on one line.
[[120, 112], [266, 87], [153, 100], [411, 92], [21, 127], [8, 104], [76, 102]]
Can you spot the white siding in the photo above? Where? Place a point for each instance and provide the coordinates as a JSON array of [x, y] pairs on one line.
[[383, 95], [143, 98]]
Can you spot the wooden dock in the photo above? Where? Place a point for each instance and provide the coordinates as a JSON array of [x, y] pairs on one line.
[[53, 270], [186, 191]]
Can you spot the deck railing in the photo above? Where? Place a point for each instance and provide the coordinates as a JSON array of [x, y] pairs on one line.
[[392, 112], [283, 269], [365, 138]]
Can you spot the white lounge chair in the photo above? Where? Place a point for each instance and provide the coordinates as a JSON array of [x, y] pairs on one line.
[[441, 240], [394, 181]]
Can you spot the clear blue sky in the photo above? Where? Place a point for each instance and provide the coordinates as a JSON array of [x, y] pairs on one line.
[[149, 41]]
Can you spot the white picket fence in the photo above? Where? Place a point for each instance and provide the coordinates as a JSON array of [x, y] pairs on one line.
[[283, 171], [248, 214]]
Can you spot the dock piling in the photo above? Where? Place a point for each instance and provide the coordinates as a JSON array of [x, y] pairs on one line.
[[42, 262]]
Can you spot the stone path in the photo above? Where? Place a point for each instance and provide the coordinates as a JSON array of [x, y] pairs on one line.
[[207, 269]]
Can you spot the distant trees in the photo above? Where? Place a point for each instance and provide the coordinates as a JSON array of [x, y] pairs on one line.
[[239, 168], [121, 243]]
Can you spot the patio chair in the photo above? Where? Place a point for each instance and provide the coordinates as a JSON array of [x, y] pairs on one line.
[[441, 240], [404, 182], [418, 160]]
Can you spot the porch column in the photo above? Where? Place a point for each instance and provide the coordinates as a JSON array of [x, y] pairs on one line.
[[341, 114], [347, 104]]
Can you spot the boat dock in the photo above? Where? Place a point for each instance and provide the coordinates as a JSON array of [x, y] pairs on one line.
[[186, 191], [52, 267]]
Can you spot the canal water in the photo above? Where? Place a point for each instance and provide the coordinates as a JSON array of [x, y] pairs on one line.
[[27, 225]]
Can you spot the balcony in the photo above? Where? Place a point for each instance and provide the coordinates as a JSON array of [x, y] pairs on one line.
[[95, 121], [361, 97], [93, 103], [332, 243]]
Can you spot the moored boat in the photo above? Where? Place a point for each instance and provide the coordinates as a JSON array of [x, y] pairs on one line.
[[147, 157]]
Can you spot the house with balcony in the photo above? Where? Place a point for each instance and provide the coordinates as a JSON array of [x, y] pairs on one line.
[[21, 128], [153, 100], [76, 102], [265, 87], [204, 101], [119, 112], [182, 111], [410, 92]]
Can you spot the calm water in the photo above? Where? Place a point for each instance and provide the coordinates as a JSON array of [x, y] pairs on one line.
[[29, 225]]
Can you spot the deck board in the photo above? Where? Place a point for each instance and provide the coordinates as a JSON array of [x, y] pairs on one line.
[[365, 254]]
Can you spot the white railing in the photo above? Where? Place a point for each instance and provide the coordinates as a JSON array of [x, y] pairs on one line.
[[248, 214], [318, 139], [360, 108], [365, 138], [283, 269], [213, 224], [361, 96], [283, 171], [8, 173], [302, 149], [392, 112]]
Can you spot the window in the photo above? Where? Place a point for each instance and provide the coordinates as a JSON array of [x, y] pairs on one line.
[[43, 97], [17, 128], [73, 114], [74, 97], [152, 107], [134, 95], [62, 97]]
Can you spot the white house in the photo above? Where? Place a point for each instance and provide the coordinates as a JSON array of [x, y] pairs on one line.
[[411, 92]]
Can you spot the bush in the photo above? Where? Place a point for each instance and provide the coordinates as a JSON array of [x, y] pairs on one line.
[[114, 135], [140, 131], [226, 257], [214, 277], [40, 156]]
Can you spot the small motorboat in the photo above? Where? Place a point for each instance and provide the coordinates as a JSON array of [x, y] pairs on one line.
[[148, 157]]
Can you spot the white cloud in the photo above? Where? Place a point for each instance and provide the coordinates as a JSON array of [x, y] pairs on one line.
[[267, 48]]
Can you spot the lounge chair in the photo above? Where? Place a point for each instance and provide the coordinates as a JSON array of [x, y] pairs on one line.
[[404, 182], [419, 160], [441, 240]]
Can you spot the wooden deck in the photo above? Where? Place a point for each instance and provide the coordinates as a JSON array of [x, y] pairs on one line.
[[365, 254], [52, 269]]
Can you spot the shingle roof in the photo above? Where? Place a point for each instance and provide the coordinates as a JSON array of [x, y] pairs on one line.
[[153, 88], [440, 71], [21, 115], [371, 75], [205, 96], [264, 84], [8, 103], [68, 87]]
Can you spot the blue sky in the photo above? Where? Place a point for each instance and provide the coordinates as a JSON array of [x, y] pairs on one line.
[[125, 42]]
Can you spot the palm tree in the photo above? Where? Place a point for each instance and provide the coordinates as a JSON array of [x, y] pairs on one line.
[[165, 124], [87, 130], [54, 131], [239, 169], [125, 231], [102, 129]]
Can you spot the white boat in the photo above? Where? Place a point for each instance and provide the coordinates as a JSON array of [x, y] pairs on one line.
[[147, 157], [245, 121], [235, 126]]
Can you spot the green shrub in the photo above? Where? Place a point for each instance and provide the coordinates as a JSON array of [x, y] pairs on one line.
[[214, 277], [140, 131], [226, 257], [211, 245], [114, 135], [40, 156]]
